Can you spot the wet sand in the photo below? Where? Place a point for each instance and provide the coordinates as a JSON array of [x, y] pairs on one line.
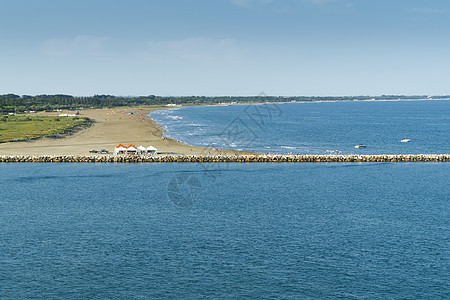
[[110, 128]]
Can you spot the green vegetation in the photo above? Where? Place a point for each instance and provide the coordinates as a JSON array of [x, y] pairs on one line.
[[20, 128], [11, 103]]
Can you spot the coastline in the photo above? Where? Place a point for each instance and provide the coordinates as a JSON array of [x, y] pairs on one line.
[[227, 151], [110, 127]]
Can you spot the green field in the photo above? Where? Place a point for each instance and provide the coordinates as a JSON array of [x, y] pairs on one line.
[[21, 128]]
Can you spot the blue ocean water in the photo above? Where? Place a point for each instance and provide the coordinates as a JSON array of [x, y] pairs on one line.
[[239, 231], [315, 128]]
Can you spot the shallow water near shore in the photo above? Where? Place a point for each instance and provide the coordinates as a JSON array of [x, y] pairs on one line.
[[378, 230], [315, 128]]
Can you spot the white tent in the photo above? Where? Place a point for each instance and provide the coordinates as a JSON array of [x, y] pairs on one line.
[[142, 149], [152, 150], [131, 149], [120, 149]]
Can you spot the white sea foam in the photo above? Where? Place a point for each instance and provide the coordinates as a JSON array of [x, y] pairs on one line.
[[175, 117]]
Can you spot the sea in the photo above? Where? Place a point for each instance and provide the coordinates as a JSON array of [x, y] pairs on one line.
[[315, 128], [236, 230]]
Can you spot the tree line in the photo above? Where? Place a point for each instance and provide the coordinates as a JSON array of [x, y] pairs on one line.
[[11, 103]]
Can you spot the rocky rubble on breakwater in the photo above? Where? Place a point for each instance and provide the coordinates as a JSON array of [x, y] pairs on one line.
[[224, 158]]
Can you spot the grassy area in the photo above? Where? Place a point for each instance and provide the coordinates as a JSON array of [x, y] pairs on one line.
[[21, 128]]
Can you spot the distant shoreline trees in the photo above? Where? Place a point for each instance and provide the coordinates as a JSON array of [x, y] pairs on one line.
[[11, 103]]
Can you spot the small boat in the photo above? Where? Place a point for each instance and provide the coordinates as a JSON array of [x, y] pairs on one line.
[[405, 140], [360, 146]]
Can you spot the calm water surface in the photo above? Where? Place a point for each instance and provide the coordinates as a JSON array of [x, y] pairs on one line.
[[299, 231], [315, 128]]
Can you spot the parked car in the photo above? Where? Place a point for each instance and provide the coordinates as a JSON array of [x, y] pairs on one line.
[[93, 151], [104, 151]]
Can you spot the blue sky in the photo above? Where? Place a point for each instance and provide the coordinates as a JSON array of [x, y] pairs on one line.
[[225, 47]]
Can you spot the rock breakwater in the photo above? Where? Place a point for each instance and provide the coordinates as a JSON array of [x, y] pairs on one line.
[[224, 158]]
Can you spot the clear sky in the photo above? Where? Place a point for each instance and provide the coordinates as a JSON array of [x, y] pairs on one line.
[[225, 47]]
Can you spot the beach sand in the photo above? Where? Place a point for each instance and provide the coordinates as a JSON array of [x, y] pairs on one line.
[[109, 129]]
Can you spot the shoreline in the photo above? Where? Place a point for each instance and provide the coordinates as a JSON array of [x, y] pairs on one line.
[[318, 101], [275, 103], [111, 127]]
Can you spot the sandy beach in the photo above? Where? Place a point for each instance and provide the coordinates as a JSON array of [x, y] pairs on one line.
[[110, 128]]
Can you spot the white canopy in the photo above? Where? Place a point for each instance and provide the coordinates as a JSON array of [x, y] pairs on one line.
[[131, 149], [119, 149]]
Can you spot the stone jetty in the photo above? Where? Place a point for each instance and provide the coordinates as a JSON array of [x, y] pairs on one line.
[[225, 158]]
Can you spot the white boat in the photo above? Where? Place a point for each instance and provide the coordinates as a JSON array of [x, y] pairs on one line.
[[360, 146], [405, 140]]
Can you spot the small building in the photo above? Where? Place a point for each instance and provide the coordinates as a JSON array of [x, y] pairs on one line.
[[120, 149]]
